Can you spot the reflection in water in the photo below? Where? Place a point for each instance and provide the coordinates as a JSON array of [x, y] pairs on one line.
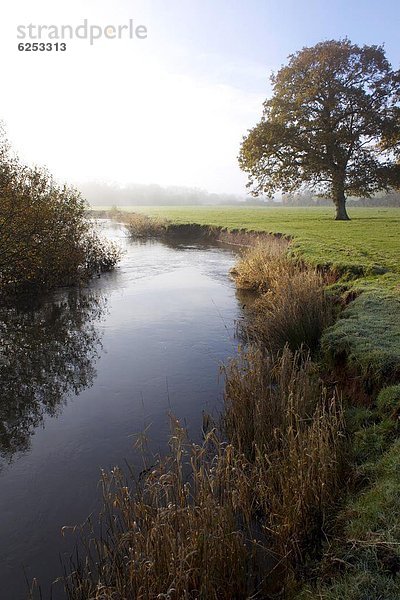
[[47, 352], [168, 326]]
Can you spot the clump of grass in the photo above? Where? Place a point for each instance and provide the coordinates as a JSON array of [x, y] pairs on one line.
[[295, 311], [364, 562], [181, 532], [280, 416], [142, 226], [263, 265], [292, 307], [262, 392], [374, 429], [367, 338], [213, 521], [388, 402], [363, 558]]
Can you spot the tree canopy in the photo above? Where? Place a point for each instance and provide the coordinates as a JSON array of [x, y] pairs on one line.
[[332, 123]]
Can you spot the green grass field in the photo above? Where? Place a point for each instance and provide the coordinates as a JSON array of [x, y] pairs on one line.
[[368, 244]]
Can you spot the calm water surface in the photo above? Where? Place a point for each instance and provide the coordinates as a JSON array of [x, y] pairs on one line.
[[82, 372]]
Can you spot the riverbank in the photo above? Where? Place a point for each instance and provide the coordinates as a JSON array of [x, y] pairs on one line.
[[339, 568], [360, 352], [362, 255]]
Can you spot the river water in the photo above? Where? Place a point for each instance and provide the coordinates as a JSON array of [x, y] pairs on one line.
[[82, 372]]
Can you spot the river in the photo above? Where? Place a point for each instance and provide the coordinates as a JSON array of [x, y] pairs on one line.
[[83, 371]]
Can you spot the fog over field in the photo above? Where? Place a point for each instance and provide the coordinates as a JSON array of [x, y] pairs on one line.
[[111, 194]]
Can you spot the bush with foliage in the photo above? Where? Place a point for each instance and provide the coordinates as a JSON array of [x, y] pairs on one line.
[[45, 238]]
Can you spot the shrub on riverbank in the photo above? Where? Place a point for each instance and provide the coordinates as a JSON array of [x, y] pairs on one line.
[[45, 239]]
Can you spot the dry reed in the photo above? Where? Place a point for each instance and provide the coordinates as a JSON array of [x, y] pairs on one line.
[[263, 265], [280, 416], [292, 306], [213, 521], [139, 225]]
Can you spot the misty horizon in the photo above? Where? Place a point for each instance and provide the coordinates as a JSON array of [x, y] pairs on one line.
[[105, 193]]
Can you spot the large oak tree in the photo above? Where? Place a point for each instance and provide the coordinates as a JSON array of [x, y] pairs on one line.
[[332, 123]]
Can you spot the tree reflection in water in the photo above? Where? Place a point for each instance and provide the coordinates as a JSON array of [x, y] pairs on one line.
[[48, 351]]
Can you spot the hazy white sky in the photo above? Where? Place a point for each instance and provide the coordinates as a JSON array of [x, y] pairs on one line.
[[171, 109]]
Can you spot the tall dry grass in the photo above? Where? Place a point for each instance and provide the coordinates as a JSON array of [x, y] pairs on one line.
[[295, 312], [141, 226], [283, 420], [181, 532], [263, 265], [292, 306], [216, 520]]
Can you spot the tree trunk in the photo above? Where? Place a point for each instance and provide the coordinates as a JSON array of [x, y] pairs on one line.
[[339, 198], [341, 212]]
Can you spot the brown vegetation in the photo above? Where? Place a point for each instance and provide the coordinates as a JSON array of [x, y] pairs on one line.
[[280, 416], [263, 266], [292, 306], [143, 226], [217, 520]]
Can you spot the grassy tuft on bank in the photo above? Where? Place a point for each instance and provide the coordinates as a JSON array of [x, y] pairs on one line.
[[363, 560], [367, 337], [292, 306], [140, 225]]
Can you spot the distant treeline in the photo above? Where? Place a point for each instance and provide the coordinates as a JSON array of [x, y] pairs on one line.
[[108, 194], [136, 194], [308, 199]]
